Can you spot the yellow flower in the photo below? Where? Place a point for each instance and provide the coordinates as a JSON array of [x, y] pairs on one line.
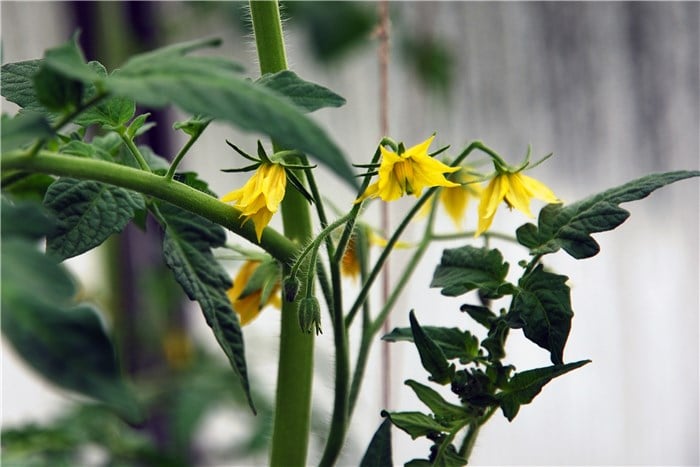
[[408, 173], [455, 199], [261, 196], [350, 263], [516, 190], [249, 306]]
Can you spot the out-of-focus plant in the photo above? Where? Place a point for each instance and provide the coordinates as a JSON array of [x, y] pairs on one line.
[[74, 190]]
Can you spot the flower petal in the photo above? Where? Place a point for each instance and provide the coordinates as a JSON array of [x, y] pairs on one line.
[[518, 195]]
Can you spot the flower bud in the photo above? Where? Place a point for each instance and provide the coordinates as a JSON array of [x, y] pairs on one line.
[[290, 287], [310, 315]]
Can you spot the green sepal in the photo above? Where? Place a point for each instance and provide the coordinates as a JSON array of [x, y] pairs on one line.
[[304, 94], [454, 342], [467, 268], [378, 453], [187, 249], [263, 280], [88, 212], [569, 227], [523, 387], [542, 308], [299, 186], [431, 356], [23, 129], [193, 126]]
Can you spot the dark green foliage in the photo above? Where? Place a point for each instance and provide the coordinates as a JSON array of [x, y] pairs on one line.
[[523, 387], [17, 85], [56, 92], [22, 129], [88, 212], [570, 226], [468, 268], [453, 342], [542, 307], [378, 452], [187, 244], [431, 356]]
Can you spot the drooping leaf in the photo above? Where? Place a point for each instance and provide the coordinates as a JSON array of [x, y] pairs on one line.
[[480, 314], [187, 245], [468, 268], [63, 341], [416, 424], [88, 212], [444, 411], [378, 453], [431, 356], [542, 307], [23, 129], [304, 94], [570, 226], [523, 387], [453, 342]]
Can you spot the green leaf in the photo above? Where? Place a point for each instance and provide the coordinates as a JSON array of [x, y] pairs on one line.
[[22, 129], [431, 356], [444, 411], [139, 126], [453, 342], [304, 94], [29, 187], [111, 113], [570, 227], [193, 126], [542, 307], [480, 314], [523, 387], [468, 268], [56, 92], [187, 246], [64, 342], [378, 452], [416, 424], [210, 86], [25, 219], [87, 150], [88, 212], [17, 85]]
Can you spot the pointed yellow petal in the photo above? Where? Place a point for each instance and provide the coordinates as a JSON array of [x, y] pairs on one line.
[[370, 192], [420, 148], [517, 195], [455, 201], [539, 190]]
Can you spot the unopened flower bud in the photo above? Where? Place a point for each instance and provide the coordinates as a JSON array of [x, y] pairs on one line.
[[290, 287], [310, 315]]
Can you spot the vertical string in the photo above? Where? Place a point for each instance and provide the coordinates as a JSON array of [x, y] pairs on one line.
[[383, 35]]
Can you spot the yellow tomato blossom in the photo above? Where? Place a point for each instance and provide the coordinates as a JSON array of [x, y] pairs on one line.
[[408, 173], [261, 196], [249, 307], [516, 189], [455, 199]]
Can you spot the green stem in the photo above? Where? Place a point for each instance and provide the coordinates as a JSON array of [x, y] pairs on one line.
[[472, 432], [134, 150], [470, 234], [150, 184], [290, 436], [180, 155]]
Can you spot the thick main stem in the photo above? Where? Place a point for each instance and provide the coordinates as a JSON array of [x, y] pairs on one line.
[[290, 435]]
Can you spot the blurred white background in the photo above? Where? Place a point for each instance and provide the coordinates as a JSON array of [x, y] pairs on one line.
[[613, 90]]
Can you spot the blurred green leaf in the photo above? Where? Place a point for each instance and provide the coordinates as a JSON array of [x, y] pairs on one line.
[[29, 187], [378, 453], [453, 342], [570, 226], [304, 94], [542, 307], [431, 356], [187, 246], [22, 129], [523, 387], [56, 92], [65, 342], [25, 219], [88, 212], [468, 268]]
